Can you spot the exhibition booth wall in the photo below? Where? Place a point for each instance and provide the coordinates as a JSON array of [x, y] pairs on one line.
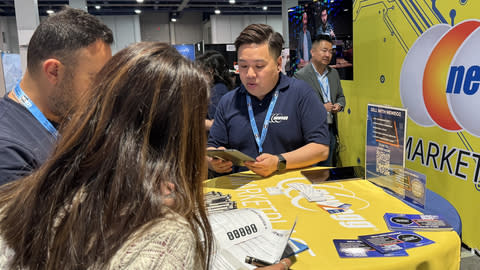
[[423, 56], [414, 54]]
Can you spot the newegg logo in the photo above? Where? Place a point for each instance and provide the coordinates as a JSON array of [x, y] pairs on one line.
[[440, 78]]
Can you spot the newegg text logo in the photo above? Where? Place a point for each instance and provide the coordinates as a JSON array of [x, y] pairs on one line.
[[440, 78]]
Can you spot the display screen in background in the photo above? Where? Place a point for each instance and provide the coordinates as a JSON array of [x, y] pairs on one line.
[[187, 50], [339, 17]]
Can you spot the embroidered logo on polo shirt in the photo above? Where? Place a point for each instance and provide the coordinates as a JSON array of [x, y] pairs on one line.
[[278, 117]]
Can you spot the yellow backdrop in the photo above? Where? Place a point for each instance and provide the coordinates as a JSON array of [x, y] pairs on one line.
[[384, 32]]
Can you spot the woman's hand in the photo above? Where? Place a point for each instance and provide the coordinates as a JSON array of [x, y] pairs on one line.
[[284, 264]]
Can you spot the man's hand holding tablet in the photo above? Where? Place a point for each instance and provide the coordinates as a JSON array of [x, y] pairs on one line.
[[236, 157]]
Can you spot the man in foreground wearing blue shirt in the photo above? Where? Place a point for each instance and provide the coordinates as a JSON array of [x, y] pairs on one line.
[[64, 54], [268, 101]]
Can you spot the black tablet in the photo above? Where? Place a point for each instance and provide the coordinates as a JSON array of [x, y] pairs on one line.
[[236, 157], [334, 174]]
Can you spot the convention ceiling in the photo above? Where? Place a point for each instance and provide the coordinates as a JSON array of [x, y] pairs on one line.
[[128, 7]]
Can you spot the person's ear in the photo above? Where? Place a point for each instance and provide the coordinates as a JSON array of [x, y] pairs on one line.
[[52, 68], [279, 63]]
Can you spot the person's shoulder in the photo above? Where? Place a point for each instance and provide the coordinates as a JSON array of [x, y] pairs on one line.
[[300, 92], [237, 91], [12, 120], [333, 71], [168, 242], [172, 226], [304, 72], [18, 126], [220, 86], [7, 106], [300, 85], [333, 75], [232, 95], [299, 73]]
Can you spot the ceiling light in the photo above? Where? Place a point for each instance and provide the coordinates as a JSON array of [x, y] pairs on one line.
[[173, 19], [98, 7], [345, 10], [231, 1], [217, 11], [49, 11], [138, 11], [265, 8], [139, 1]]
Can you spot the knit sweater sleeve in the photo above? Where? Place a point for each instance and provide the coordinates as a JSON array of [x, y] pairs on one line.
[[168, 244]]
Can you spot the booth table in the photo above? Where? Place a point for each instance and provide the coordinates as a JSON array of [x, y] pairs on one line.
[[317, 228]]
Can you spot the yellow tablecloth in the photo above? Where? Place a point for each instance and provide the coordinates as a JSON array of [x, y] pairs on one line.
[[317, 228]]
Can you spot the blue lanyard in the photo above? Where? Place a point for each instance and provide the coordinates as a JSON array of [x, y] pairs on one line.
[[266, 122], [324, 85], [33, 109]]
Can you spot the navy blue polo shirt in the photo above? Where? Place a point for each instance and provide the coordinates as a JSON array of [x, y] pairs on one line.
[[298, 118], [24, 143]]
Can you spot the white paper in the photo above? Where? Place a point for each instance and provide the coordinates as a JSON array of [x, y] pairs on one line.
[[274, 191], [235, 226], [309, 192], [265, 244]]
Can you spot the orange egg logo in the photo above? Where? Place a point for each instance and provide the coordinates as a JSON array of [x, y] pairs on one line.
[[440, 77]]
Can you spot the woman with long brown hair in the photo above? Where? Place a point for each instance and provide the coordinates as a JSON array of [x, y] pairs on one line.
[[123, 188]]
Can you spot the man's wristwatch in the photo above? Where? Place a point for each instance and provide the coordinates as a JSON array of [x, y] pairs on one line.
[[282, 163]]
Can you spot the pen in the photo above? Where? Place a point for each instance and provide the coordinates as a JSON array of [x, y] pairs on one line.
[[256, 262]]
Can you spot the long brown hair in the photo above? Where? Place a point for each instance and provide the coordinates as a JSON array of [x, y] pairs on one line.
[[140, 127]]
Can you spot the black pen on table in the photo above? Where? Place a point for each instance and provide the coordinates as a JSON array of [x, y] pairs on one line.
[[256, 262]]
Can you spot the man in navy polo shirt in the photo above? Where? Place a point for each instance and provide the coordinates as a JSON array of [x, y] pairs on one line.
[[274, 118]]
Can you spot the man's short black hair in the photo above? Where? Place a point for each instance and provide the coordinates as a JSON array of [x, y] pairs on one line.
[[324, 8], [259, 34], [61, 34], [319, 38]]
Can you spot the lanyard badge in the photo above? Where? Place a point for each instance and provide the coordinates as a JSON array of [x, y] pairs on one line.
[[325, 87], [260, 139], [33, 109]]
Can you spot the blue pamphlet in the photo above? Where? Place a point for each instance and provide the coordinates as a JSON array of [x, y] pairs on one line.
[[349, 248], [397, 222], [334, 207], [293, 247], [395, 241]]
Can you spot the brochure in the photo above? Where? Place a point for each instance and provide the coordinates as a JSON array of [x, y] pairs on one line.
[[334, 206], [247, 232], [395, 241], [350, 248], [293, 247], [236, 157], [396, 222], [309, 192]]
